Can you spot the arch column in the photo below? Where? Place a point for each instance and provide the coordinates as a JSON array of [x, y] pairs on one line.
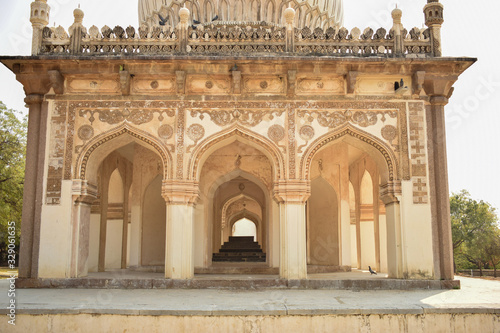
[[84, 194], [180, 197], [292, 196], [388, 194]]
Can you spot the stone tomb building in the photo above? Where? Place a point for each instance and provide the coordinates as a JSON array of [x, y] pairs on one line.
[[147, 147]]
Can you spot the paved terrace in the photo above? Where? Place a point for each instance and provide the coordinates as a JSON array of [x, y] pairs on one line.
[[475, 296]]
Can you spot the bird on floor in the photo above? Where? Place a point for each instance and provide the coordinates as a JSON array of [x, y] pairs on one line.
[[163, 21], [371, 270]]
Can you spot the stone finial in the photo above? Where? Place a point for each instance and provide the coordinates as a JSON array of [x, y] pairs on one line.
[[289, 15], [396, 15], [78, 14], [184, 15]]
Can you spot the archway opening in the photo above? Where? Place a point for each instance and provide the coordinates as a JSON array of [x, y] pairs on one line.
[[345, 223], [127, 222], [244, 228]]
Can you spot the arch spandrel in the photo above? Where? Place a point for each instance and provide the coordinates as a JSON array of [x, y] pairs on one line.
[[378, 150], [236, 133], [113, 140]]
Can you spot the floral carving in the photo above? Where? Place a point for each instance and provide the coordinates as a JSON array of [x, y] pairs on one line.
[[249, 118], [334, 119], [116, 116], [165, 131], [195, 132], [85, 132], [306, 133], [389, 132], [276, 133]]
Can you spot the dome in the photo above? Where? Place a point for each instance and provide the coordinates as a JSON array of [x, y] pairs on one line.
[[310, 13]]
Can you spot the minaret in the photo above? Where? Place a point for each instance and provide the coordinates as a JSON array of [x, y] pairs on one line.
[[39, 19], [433, 11]]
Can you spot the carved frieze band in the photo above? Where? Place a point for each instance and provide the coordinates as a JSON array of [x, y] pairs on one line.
[[292, 143], [243, 117], [334, 119], [117, 116], [56, 153]]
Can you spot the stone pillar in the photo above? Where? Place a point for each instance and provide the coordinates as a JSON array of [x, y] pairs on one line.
[[388, 194], [181, 197], [183, 28], [290, 35], [84, 195], [439, 88], [345, 210], [33, 187], [39, 19], [433, 11], [292, 196], [439, 191]]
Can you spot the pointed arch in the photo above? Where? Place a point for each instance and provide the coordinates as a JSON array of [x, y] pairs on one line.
[[378, 150], [120, 134], [235, 133]]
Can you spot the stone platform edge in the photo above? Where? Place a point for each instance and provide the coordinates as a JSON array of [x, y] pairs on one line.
[[230, 284]]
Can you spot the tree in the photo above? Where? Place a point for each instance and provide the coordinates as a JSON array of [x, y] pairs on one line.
[[473, 224], [13, 131], [492, 249]]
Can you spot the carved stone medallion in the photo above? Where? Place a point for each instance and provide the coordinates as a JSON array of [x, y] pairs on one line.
[[195, 132], [389, 132], [306, 132], [165, 131], [85, 132], [276, 133]]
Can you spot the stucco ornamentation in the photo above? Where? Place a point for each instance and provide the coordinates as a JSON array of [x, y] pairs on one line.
[[195, 132], [244, 117], [389, 132], [276, 133], [116, 116], [165, 131], [306, 133], [85, 132], [334, 119]]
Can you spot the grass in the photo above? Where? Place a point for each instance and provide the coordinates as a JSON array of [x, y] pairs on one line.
[[6, 272]]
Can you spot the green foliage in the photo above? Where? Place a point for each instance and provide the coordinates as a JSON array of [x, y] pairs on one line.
[[475, 231], [13, 131]]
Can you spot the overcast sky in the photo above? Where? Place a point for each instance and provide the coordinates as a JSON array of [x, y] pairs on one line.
[[473, 117]]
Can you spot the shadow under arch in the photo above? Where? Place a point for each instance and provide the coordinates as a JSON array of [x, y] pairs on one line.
[[228, 136], [120, 136], [378, 150]]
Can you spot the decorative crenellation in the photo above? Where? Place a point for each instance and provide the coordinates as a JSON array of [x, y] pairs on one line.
[[418, 152], [56, 153]]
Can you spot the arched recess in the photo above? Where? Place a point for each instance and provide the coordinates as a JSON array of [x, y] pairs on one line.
[[382, 155], [145, 158], [323, 224], [270, 11], [96, 150], [226, 137]]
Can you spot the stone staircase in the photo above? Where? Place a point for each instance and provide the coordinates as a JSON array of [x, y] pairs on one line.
[[240, 249]]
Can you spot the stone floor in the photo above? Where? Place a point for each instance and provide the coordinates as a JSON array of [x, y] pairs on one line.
[[475, 296]]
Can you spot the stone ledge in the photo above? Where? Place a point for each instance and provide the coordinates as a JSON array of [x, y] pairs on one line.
[[242, 284]]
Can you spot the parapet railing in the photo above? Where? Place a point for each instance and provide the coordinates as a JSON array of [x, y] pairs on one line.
[[216, 39], [219, 37]]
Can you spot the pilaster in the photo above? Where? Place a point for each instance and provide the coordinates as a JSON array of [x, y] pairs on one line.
[[292, 197], [181, 197]]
